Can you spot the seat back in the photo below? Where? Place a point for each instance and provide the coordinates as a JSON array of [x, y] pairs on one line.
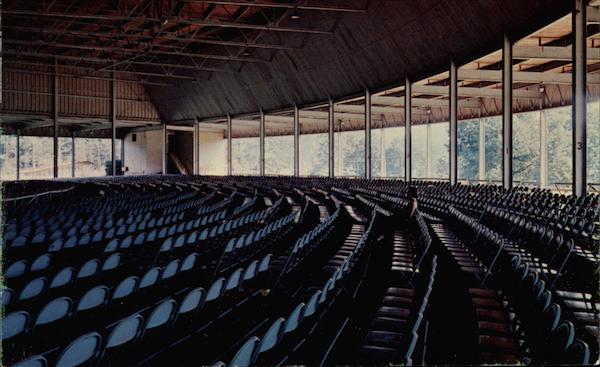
[[295, 318], [81, 350], [14, 324], [125, 287], [150, 278], [112, 262], [89, 268], [191, 301], [125, 331], [234, 280], [272, 335], [34, 288], [35, 361], [171, 269], [161, 315], [216, 290], [93, 298], [54, 310], [246, 354], [42, 262]]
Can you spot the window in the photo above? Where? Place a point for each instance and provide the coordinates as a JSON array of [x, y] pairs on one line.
[[439, 159], [419, 151], [560, 141], [65, 157], [279, 147], [314, 152], [213, 153], [8, 157], [526, 148], [350, 153], [493, 148], [92, 156], [593, 145], [468, 149], [36, 160], [388, 158], [245, 156]]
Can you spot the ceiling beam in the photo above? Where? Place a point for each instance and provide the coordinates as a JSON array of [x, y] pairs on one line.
[[552, 53], [475, 92], [523, 76], [265, 4], [422, 102], [174, 20]]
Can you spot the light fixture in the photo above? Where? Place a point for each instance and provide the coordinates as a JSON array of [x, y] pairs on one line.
[[295, 16], [541, 88], [429, 110], [195, 81], [165, 21], [245, 53]]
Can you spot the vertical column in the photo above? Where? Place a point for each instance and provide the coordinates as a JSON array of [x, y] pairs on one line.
[[113, 124], [18, 154], [579, 94], [196, 147], [296, 141], [368, 134], [481, 149], [261, 154], [507, 114], [543, 148], [331, 139], [428, 151], [229, 168], [55, 106], [72, 153], [164, 149], [407, 130], [453, 123]]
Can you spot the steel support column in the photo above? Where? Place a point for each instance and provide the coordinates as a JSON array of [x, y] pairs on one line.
[[579, 97], [507, 114], [482, 161], [229, 128], [196, 147], [261, 144], [55, 106], [453, 123], [407, 130], [331, 139], [543, 148], [296, 141], [164, 149], [368, 171], [113, 124], [18, 154], [72, 153]]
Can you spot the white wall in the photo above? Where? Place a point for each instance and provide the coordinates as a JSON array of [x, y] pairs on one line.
[[213, 153], [144, 156]]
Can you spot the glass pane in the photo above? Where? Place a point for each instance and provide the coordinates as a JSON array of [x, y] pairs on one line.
[[213, 153], [65, 155], [468, 150], [493, 148], [8, 157], [419, 151], [350, 153], [91, 156], [526, 148], [279, 145], [36, 161], [560, 156], [593, 145], [313, 154], [440, 151], [245, 156]]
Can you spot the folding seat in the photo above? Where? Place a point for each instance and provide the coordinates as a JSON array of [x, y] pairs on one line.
[[172, 230], [151, 223], [191, 238], [312, 304], [46, 328], [120, 341], [213, 232], [216, 290], [111, 262], [204, 234], [246, 355], [189, 306], [249, 239], [35, 361], [70, 242], [156, 329], [15, 269], [151, 236], [265, 263], [14, 324], [189, 262], [84, 240], [577, 354], [139, 239], [121, 230], [110, 233], [88, 269], [81, 351], [221, 228], [180, 241], [170, 270], [56, 245], [126, 242], [125, 288], [272, 336], [150, 278], [38, 238], [560, 340], [33, 289], [234, 280], [250, 271]]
